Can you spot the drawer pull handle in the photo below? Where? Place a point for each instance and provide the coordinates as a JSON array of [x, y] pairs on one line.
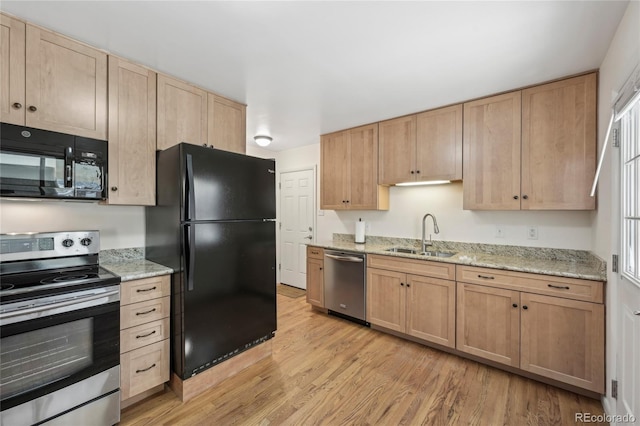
[[145, 335], [636, 312], [561, 287], [143, 290], [146, 312], [145, 369], [486, 277]]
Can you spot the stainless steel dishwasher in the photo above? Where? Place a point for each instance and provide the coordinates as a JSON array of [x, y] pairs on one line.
[[344, 284]]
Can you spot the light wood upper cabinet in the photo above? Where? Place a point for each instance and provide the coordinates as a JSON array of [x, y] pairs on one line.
[[533, 149], [439, 144], [334, 184], [66, 85], [559, 144], [397, 150], [12, 70], [51, 82], [227, 124], [422, 147], [182, 113], [132, 133], [350, 169], [492, 153]]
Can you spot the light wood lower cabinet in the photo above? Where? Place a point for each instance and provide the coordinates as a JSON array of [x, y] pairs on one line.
[[552, 336], [144, 335], [489, 323], [417, 305], [315, 276]]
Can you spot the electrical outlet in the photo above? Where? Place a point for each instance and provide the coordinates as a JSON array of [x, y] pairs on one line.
[[499, 231], [532, 233]]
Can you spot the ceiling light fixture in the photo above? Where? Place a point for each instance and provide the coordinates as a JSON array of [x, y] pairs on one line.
[[429, 182], [263, 140]]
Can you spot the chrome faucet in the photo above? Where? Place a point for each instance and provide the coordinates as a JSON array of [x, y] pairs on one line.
[[424, 227]]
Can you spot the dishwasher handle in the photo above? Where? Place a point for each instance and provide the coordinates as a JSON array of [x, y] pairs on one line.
[[346, 258]]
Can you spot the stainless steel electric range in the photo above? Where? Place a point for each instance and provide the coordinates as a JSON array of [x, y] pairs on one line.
[[59, 330]]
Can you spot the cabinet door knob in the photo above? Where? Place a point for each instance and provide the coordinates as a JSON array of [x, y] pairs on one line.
[[636, 312], [515, 305], [418, 171], [525, 307], [515, 197], [114, 188], [525, 197], [321, 269], [412, 172], [402, 284], [408, 285], [17, 105], [32, 108]]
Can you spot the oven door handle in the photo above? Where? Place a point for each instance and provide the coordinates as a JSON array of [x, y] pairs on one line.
[[56, 305]]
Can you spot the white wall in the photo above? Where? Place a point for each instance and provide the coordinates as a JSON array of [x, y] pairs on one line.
[[119, 226], [409, 204], [622, 57]]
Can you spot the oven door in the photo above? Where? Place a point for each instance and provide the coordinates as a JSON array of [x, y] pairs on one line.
[[47, 352]]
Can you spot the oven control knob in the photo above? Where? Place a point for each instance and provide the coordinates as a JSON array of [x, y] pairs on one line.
[[68, 242], [86, 242]]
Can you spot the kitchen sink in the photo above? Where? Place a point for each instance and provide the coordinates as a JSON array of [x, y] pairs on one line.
[[402, 250], [437, 253], [424, 253]]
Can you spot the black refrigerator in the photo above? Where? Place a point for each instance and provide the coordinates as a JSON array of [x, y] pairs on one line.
[[214, 224]]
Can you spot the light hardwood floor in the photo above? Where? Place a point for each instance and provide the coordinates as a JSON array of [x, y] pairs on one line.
[[326, 370]]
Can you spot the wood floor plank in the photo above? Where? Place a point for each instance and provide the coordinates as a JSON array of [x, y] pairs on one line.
[[328, 371]]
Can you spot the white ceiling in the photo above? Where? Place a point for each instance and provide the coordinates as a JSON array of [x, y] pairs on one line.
[[308, 68]]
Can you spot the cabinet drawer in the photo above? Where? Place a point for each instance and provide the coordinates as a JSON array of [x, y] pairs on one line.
[[144, 289], [315, 252], [144, 368], [142, 335], [410, 266], [143, 312], [570, 288]]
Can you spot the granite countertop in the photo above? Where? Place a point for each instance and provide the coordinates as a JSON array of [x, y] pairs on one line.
[[557, 262], [130, 264]]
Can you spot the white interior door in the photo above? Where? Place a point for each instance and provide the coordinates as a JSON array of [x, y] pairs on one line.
[[297, 195], [629, 350]]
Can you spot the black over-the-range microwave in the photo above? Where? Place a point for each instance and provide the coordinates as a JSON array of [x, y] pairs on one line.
[[38, 163]]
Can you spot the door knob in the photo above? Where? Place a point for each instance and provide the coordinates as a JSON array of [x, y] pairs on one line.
[[32, 108], [17, 105], [309, 237]]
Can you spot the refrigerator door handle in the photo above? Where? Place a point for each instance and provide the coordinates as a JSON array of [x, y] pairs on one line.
[[190, 202], [190, 256]]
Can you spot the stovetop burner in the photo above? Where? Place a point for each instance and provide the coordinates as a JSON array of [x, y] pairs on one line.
[[66, 277]]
